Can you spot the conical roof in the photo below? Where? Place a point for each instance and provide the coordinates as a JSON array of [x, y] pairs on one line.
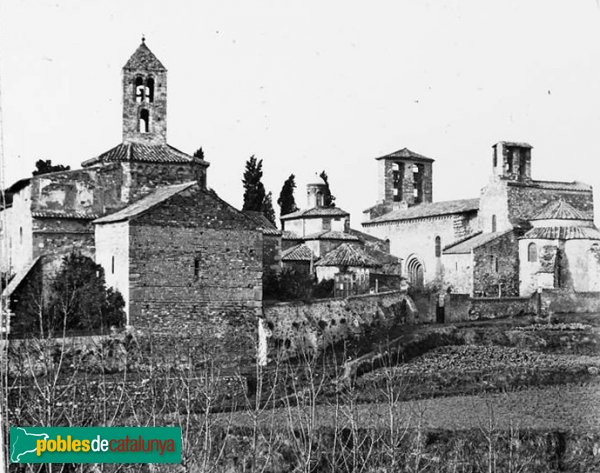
[[145, 59], [561, 210]]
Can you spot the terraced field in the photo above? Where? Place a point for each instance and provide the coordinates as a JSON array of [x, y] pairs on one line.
[[566, 407]]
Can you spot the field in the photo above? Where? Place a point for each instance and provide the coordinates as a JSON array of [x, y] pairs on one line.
[[514, 395]]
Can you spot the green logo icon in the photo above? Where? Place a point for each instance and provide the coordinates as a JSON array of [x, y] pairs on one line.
[[95, 445]]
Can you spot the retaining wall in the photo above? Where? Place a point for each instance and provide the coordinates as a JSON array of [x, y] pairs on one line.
[[312, 326]]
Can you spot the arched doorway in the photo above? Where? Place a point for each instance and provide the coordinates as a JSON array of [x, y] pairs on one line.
[[414, 272]]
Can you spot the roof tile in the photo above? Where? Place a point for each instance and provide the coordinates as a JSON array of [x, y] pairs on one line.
[[406, 154], [145, 203], [139, 152], [465, 246], [563, 233], [431, 209], [316, 212], [348, 255], [298, 253], [561, 210]]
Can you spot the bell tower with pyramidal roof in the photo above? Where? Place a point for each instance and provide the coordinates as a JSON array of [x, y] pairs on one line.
[[144, 98]]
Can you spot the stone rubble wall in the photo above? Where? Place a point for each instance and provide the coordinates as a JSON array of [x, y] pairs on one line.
[[312, 326]]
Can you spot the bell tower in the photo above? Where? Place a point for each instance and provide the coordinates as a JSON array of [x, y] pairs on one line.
[[512, 161], [144, 98]]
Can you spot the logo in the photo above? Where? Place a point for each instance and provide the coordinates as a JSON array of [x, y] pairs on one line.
[[95, 445]]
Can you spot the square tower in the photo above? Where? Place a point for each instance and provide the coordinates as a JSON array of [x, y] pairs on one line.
[[144, 98], [512, 161], [405, 178]]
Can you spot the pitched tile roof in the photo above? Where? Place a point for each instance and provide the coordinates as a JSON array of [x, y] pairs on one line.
[[348, 255], [145, 203], [145, 59], [563, 233], [407, 154], [553, 185], [148, 153], [316, 212], [287, 235], [365, 236], [561, 210], [432, 209], [465, 246], [381, 256], [331, 235], [298, 253], [263, 223], [65, 214], [19, 277]]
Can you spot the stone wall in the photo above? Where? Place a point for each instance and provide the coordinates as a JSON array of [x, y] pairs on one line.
[[146, 177], [564, 301], [271, 252], [416, 238], [157, 109], [90, 191], [493, 202], [196, 267], [525, 201], [458, 272], [407, 183], [464, 308], [57, 237], [495, 308], [497, 263], [312, 326]]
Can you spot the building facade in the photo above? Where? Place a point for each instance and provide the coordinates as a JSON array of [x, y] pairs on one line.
[[520, 235], [184, 260]]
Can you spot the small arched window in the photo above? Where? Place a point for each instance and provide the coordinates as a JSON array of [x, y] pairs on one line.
[[112, 265], [493, 223], [150, 90], [438, 247], [144, 121], [319, 199], [532, 255], [196, 267], [21, 235], [139, 89]]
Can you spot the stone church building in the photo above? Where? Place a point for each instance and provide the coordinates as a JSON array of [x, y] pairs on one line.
[[519, 236], [181, 256]]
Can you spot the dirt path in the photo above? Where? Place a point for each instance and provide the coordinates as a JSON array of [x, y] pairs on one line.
[[567, 407]]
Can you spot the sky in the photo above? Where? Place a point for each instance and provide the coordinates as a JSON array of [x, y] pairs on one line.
[[311, 85]]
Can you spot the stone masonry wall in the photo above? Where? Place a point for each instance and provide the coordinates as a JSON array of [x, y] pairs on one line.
[[272, 252], [563, 301], [220, 305], [486, 279], [146, 177], [196, 267], [417, 238], [60, 236], [298, 326], [94, 191], [526, 201]]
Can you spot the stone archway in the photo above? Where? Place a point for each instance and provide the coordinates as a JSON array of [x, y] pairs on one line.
[[414, 272]]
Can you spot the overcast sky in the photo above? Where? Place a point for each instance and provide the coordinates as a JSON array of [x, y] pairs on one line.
[[313, 85]]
